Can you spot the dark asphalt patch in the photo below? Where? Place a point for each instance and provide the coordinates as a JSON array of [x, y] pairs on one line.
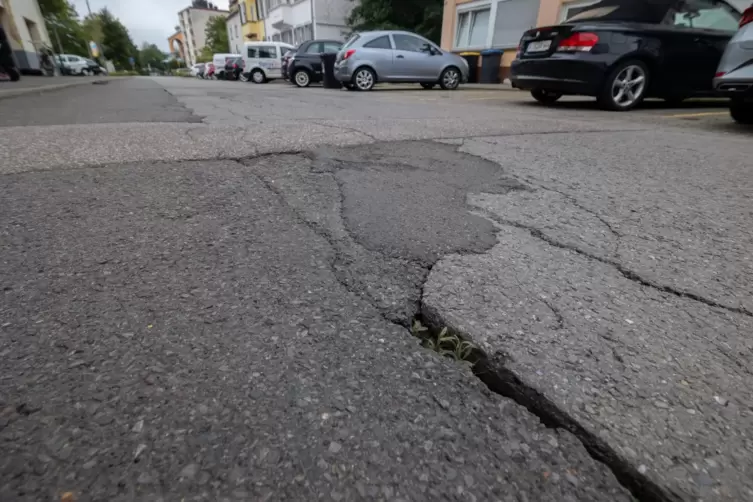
[[126, 100]]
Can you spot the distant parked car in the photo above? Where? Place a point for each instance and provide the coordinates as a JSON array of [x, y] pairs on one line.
[[622, 51], [286, 62], [734, 77], [220, 61], [93, 68], [71, 64], [305, 67], [197, 70], [234, 69], [397, 56]]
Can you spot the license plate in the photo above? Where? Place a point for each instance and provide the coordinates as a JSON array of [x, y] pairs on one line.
[[540, 46]]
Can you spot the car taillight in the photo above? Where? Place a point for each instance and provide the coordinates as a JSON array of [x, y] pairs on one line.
[[579, 42], [348, 53], [719, 74], [747, 17]]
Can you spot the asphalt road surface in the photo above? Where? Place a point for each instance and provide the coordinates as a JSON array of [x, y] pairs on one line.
[[208, 288]]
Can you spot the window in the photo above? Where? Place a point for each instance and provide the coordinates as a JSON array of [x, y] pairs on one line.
[[298, 35], [236, 30], [257, 8], [706, 14], [314, 48], [331, 47], [408, 43], [287, 37], [268, 52], [253, 52], [571, 9], [473, 27], [512, 19], [242, 8], [586, 13], [377, 43]]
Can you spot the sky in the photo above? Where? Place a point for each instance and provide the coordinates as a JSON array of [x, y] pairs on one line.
[[147, 20]]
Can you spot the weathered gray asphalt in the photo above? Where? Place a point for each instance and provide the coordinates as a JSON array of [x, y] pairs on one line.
[[215, 310]]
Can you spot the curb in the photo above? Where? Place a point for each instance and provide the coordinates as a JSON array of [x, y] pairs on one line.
[[9, 93]]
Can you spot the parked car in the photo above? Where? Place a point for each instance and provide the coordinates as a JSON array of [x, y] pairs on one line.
[[197, 70], [622, 51], [397, 56], [234, 69], [93, 68], [286, 61], [71, 64], [220, 62], [306, 65], [734, 77], [263, 60]]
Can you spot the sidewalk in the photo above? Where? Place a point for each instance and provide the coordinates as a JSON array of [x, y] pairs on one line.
[[30, 84]]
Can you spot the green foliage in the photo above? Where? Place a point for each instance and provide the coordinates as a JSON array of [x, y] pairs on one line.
[[420, 16], [445, 343], [66, 33], [205, 56], [217, 36], [151, 55], [115, 41]]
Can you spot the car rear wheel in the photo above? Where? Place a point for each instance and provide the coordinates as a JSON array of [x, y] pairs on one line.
[[450, 79], [364, 79], [302, 78], [545, 96], [258, 76], [428, 87], [625, 87], [741, 112]]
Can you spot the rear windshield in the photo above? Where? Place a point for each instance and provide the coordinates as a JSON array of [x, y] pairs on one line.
[[351, 40], [593, 14]]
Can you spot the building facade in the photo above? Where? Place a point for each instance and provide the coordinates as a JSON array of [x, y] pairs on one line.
[[193, 23], [24, 25], [234, 32], [293, 21], [475, 25], [177, 44]]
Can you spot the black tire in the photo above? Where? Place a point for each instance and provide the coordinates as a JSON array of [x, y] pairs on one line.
[[364, 79], [258, 77], [741, 112], [301, 78], [607, 99], [453, 83], [14, 74], [545, 96], [427, 86]]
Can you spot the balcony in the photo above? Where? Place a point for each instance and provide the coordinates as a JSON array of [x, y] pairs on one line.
[[281, 17]]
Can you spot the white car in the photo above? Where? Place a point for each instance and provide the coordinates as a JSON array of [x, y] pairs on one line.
[[71, 64], [197, 70]]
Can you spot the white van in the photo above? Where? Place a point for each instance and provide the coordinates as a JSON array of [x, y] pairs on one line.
[[264, 60], [219, 61]]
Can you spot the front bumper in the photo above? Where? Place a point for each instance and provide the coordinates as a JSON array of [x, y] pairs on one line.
[[568, 76]]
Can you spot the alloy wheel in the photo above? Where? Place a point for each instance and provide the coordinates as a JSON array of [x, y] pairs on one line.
[[364, 80], [450, 79], [258, 77], [628, 86]]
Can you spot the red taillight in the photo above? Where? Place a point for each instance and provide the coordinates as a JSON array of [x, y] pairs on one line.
[[348, 53], [719, 74], [747, 17], [579, 42]]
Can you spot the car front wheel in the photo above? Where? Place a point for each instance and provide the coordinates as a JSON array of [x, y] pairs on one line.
[[625, 87], [301, 78], [545, 96], [364, 79], [450, 79], [741, 112]]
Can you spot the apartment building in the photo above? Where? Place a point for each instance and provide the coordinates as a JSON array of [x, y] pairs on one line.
[[23, 24], [294, 21], [234, 31], [250, 16], [193, 23]]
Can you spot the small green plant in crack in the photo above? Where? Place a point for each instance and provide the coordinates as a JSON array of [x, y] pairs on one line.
[[445, 343]]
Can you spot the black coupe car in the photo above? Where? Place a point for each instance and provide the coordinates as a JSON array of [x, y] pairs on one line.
[[622, 51], [305, 67]]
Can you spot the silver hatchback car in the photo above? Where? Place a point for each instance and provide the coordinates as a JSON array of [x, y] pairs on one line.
[[397, 56], [734, 76]]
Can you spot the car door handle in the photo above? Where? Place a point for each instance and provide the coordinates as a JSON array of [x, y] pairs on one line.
[[400, 56]]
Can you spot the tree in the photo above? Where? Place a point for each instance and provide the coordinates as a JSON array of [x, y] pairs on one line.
[[115, 41], [420, 16], [62, 20], [205, 55], [151, 55], [217, 36]]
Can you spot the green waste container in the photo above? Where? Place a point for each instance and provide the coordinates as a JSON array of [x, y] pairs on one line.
[[491, 60], [472, 59]]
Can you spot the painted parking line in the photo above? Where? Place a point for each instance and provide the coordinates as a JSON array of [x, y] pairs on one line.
[[692, 115]]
